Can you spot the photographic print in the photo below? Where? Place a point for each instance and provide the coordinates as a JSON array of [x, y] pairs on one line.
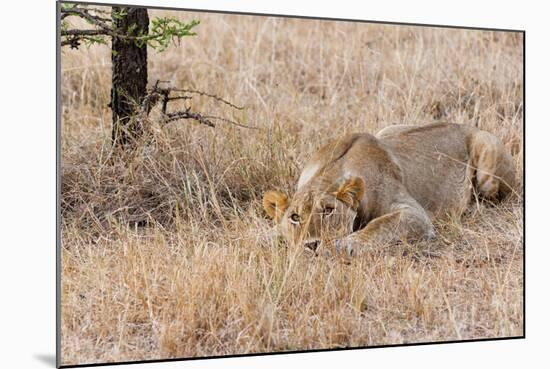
[[239, 184]]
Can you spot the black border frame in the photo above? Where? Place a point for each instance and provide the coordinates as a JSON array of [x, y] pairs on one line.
[[58, 185]]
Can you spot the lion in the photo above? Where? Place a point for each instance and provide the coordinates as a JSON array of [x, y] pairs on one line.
[[360, 191]]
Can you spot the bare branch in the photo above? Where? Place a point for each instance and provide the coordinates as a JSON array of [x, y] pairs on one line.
[[229, 121], [85, 13], [162, 96], [179, 98], [83, 32], [75, 36], [197, 92], [186, 114]]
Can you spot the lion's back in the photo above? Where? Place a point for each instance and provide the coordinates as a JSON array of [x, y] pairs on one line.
[[434, 161]]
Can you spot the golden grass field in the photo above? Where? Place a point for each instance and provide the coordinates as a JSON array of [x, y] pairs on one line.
[[166, 250]]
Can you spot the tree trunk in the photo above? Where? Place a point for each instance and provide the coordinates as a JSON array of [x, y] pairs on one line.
[[129, 81]]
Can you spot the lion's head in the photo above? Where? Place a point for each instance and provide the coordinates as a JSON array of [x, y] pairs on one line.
[[315, 215]]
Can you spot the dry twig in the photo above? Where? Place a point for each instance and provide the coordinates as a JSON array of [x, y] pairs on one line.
[[163, 96]]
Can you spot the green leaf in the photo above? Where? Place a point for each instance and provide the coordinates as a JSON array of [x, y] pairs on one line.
[[165, 31]]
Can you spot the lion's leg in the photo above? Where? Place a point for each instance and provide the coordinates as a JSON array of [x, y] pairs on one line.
[[493, 170], [405, 222]]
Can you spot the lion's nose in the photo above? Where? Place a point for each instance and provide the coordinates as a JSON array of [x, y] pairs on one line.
[[312, 245]]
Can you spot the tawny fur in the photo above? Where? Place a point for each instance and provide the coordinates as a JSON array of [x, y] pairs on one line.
[[362, 190]]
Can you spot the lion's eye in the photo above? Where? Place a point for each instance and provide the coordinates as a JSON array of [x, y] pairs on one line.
[[328, 210], [295, 218]]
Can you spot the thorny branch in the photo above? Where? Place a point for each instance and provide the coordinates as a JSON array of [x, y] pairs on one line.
[[85, 13], [163, 30], [162, 95], [208, 95], [73, 37], [187, 114]]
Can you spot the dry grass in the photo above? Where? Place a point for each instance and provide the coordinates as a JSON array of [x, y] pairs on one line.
[[166, 251]]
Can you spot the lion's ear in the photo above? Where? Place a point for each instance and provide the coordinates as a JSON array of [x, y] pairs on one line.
[[351, 191], [275, 204]]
